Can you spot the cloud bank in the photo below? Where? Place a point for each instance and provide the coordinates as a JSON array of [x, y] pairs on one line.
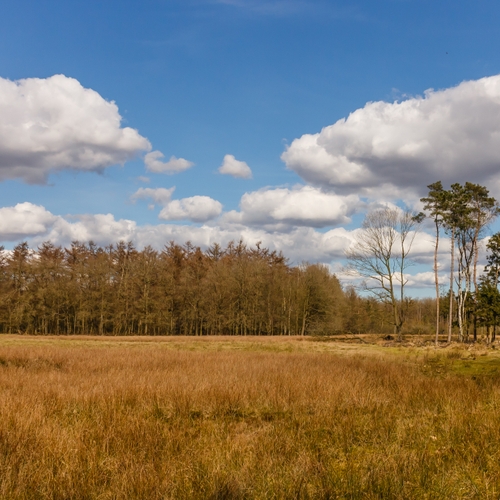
[[36, 224], [55, 123], [452, 135]]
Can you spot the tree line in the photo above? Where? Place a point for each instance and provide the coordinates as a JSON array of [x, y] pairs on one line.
[[117, 289], [182, 290]]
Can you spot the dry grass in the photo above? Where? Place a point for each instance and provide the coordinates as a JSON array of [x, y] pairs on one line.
[[261, 419]]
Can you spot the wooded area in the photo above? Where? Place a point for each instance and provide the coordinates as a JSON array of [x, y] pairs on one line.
[[182, 290], [86, 289]]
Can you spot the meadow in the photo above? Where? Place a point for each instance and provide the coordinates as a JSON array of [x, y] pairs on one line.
[[246, 417]]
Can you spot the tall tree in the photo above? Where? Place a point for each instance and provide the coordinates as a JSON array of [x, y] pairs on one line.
[[484, 209], [435, 206], [488, 305], [19, 268], [489, 295], [470, 211]]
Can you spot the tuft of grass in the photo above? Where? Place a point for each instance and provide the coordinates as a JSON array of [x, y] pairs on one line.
[[239, 420]]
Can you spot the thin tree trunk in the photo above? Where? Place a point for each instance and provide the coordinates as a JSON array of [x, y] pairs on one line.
[[474, 277], [452, 267], [436, 278], [460, 295]]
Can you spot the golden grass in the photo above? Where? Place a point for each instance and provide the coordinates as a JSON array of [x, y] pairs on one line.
[[245, 418]]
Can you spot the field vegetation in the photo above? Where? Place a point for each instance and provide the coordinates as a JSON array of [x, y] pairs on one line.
[[247, 417]]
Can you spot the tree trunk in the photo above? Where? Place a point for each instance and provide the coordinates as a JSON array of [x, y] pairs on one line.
[[452, 266], [436, 279]]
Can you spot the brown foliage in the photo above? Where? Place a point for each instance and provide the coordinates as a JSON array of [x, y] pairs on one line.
[[118, 290]]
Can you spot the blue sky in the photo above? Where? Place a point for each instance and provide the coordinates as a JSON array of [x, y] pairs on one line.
[[200, 80]]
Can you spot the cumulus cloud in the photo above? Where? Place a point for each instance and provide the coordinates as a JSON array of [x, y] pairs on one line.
[[195, 209], [160, 196], [173, 166], [451, 135], [103, 229], [24, 219], [55, 123], [234, 167], [300, 206]]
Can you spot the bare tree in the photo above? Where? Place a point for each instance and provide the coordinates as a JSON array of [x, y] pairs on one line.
[[380, 256]]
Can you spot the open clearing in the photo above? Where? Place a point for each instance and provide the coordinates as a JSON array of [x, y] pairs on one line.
[[246, 417]]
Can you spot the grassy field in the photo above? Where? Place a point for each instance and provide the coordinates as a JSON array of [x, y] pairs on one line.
[[231, 418]]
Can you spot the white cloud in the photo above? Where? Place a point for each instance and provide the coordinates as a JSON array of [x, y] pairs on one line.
[[24, 219], [451, 135], [234, 167], [425, 279], [54, 124], [300, 206], [173, 166], [103, 229], [195, 208], [160, 196]]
